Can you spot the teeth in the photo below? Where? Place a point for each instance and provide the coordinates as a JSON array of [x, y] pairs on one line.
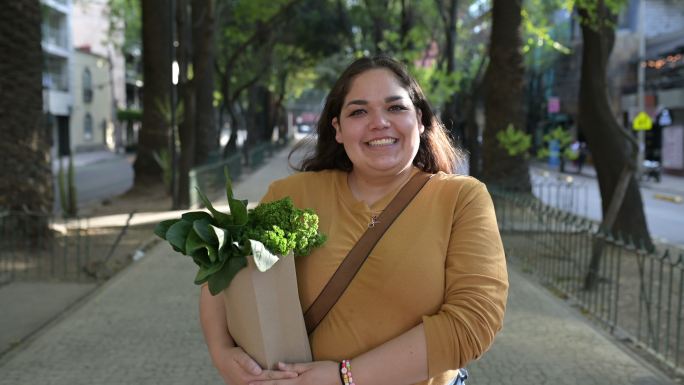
[[382, 142]]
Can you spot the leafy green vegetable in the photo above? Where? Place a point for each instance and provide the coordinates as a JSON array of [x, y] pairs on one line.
[[219, 243]]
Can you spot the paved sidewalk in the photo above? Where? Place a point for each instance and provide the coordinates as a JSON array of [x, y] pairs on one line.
[[142, 327]]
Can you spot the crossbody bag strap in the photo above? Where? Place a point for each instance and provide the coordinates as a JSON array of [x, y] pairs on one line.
[[357, 255]]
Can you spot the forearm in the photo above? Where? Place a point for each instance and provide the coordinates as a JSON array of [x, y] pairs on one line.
[[213, 320], [402, 360]]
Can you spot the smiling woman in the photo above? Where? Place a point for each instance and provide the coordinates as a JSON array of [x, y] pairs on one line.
[[431, 294]]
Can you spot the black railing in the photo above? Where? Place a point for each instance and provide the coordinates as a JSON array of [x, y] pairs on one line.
[[635, 293]]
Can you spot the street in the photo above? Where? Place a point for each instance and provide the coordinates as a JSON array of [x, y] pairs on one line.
[[99, 179], [665, 219]]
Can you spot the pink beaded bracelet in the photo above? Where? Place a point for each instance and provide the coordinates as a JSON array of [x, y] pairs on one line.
[[345, 373]]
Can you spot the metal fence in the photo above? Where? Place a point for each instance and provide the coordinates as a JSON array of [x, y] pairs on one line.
[[38, 246], [210, 177], [635, 294]]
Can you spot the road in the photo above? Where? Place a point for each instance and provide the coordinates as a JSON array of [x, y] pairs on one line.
[[99, 180], [665, 219]]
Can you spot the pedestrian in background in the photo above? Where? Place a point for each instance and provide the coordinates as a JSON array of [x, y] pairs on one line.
[[432, 293]]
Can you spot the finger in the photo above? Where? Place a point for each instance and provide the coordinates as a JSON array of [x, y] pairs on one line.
[[272, 375], [297, 368], [248, 364]]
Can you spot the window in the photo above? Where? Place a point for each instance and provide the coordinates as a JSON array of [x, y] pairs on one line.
[[55, 73], [88, 127], [87, 86]]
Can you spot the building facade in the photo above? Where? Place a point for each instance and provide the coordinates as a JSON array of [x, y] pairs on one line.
[[91, 123], [57, 48]]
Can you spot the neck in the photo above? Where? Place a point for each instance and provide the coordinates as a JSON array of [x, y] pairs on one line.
[[370, 189]]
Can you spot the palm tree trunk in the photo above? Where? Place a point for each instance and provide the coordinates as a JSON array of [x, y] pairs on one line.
[[25, 146], [203, 14], [154, 134]]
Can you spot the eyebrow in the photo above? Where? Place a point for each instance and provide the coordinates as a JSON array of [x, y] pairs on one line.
[[362, 102]]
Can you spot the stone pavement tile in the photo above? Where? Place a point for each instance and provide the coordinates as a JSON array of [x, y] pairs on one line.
[[27, 306], [544, 341], [141, 327]]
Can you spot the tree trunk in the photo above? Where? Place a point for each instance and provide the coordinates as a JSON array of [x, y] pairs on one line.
[[203, 25], [450, 110], [610, 145], [503, 99], [154, 134], [25, 145]]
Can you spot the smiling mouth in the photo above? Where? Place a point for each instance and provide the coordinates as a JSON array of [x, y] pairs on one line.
[[382, 142]]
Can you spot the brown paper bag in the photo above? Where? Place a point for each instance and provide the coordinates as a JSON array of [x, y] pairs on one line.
[[265, 316]]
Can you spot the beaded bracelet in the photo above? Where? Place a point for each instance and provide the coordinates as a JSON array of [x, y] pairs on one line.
[[345, 373]]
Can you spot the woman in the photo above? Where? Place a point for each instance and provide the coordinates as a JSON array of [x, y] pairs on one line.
[[431, 295]]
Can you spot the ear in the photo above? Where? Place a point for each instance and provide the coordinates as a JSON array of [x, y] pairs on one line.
[[336, 124], [419, 115]]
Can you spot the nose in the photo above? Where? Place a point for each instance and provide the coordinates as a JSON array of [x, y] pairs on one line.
[[378, 120]]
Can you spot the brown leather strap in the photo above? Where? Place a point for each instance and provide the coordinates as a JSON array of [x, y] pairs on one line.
[[357, 255]]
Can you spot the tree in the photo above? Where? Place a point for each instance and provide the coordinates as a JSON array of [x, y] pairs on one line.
[[25, 146], [203, 27], [612, 147], [503, 100], [154, 134]]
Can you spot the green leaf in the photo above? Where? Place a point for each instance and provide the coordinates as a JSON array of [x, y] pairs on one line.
[[203, 229], [205, 272], [221, 279], [194, 242], [221, 219], [229, 184], [162, 227], [263, 259], [201, 258], [221, 235], [238, 210], [192, 216], [177, 234]]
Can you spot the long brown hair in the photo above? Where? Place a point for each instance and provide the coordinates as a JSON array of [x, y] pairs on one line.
[[436, 151]]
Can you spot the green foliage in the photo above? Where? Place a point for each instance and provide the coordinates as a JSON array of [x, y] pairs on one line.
[[163, 159], [132, 115], [125, 24], [564, 139], [67, 189], [164, 110], [516, 142], [595, 17], [280, 226], [219, 243]]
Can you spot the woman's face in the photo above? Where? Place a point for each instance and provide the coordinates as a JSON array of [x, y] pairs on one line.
[[378, 126]]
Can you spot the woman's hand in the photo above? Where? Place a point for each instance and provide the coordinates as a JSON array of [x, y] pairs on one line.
[[237, 368], [310, 373]]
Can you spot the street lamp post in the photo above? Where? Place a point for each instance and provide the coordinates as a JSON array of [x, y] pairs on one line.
[[641, 79], [172, 98]]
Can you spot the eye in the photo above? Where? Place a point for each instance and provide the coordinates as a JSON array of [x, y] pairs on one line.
[[357, 112], [398, 107]]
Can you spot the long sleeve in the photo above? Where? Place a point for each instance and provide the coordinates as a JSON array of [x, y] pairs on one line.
[[476, 286]]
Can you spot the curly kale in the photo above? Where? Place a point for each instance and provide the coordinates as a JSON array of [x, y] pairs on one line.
[[282, 227]]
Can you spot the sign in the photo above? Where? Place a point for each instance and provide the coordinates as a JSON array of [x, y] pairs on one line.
[[665, 119], [553, 105], [642, 122]]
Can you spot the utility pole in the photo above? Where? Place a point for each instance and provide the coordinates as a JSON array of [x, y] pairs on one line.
[[641, 79], [172, 98]]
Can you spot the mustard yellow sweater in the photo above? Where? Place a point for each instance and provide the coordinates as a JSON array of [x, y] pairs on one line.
[[441, 263]]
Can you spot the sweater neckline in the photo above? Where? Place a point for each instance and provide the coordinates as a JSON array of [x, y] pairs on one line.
[[349, 199]]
